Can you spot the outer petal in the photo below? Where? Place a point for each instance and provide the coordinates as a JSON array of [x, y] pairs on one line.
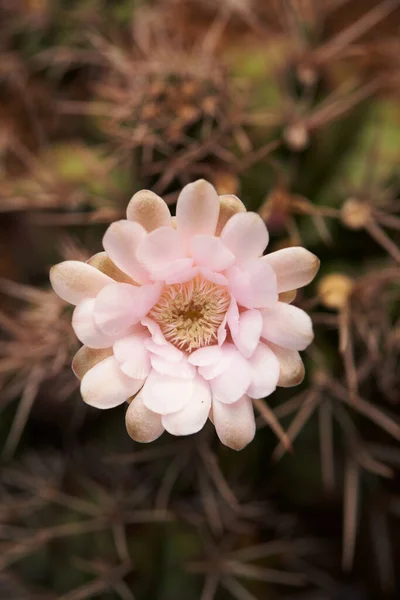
[[197, 210], [163, 394], [193, 417], [86, 358], [249, 331], [159, 250], [265, 372], [208, 251], [149, 210], [75, 281], [291, 368], [105, 386], [120, 305], [234, 423], [246, 235], [120, 241], [287, 326], [294, 267], [132, 355], [142, 424], [229, 206], [233, 382], [104, 264], [85, 328]]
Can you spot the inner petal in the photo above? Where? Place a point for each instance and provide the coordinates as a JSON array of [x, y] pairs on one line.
[[190, 313]]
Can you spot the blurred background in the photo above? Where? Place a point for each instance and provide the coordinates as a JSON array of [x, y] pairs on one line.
[[293, 105]]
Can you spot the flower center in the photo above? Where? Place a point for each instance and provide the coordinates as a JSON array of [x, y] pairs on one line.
[[189, 314]]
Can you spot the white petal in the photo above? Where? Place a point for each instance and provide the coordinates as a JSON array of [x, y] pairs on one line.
[[105, 386], [197, 210], [193, 417], [246, 235], [208, 251], [287, 326], [265, 372], [249, 330], [164, 395], [142, 424], [294, 267], [159, 250], [86, 330], [182, 369], [149, 210], [75, 281], [120, 241], [233, 382], [120, 305], [132, 355], [234, 423]]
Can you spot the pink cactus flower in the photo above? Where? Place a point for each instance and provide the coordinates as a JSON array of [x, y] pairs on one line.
[[181, 317]]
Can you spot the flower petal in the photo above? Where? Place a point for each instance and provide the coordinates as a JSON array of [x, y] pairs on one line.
[[208, 251], [104, 264], [193, 417], [234, 380], [86, 358], [105, 386], [132, 355], [120, 241], [85, 328], [206, 356], [182, 369], [197, 210], [163, 394], [75, 281], [234, 423], [159, 250], [253, 285], [166, 351], [149, 210], [291, 368], [294, 267], [232, 319], [287, 326], [142, 424], [120, 305], [249, 330], [229, 205], [246, 235], [265, 372]]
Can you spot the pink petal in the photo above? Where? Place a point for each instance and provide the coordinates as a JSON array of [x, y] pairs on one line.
[[217, 278], [85, 327], [75, 281], [233, 382], [193, 417], [166, 351], [132, 355], [182, 369], [249, 331], [287, 326], [234, 423], [265, 372], [120, 241], [291, 368], [180, 271], [206, 356], [156, 333], [105, 386], [149, 210], [294, 267], [142, 424], [232, 319], [159, 250], [246, 235], [208, 251], [163, 394], [253, 285], [197, 210], [120, 305]]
